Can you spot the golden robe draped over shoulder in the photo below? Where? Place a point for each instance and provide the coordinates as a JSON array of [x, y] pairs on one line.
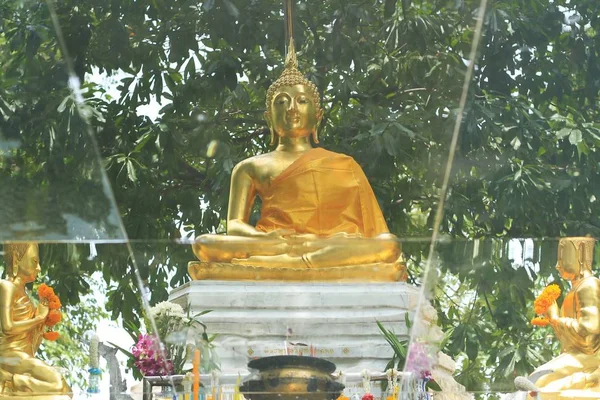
[[28, 341], [322, 193], [581, 304]]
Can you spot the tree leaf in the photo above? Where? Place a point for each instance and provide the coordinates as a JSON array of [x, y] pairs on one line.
[[575, 137], [131, 171], [232, 9], [564, 132], [389, 8], [472, 347]]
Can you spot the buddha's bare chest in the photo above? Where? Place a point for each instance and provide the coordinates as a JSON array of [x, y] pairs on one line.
[[270, 168]]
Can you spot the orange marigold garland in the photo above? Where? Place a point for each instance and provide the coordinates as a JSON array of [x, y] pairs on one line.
[[53, 318], [49, 298], [51, 336], [545, 300], [45, 291], [548, 296], [54, 303], [537, 321]]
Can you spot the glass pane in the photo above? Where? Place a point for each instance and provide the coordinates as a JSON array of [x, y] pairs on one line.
[[522, 173], [174, 95], [54, 186], [426, 364]]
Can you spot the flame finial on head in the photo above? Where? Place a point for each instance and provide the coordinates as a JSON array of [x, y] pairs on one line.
[[291, 62]]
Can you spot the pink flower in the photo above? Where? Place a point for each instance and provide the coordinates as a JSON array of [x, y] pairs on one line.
[[148, 356], [420, 361]]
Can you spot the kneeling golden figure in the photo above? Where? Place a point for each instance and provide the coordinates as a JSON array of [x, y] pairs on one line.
[[21, 328], [576, 325], [319, 220]]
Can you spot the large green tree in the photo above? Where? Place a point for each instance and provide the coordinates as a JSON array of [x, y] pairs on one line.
[[391, 74]]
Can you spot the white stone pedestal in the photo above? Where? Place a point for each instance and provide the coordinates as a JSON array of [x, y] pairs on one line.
[[337, 322], [258, 319]]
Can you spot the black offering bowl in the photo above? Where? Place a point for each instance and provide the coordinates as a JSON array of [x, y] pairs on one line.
[[291, 378]]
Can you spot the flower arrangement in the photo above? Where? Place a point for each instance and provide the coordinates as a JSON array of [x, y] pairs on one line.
[[543, 302], [169, 317], [420, 361], [165, 351], [50, 299], [149, 353]]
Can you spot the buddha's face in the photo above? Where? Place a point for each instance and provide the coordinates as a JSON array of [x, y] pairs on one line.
[[29, 266], [567, 264], [293, 112]]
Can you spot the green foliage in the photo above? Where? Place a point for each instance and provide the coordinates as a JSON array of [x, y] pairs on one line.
[[485, 299], [390, 72], [398, 345]]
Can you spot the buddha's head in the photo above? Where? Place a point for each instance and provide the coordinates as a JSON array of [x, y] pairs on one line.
[[575, 256], [293, 103], [22, 259]]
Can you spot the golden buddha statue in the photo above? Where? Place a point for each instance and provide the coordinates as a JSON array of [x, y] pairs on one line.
[[21, 329], [576, 325], [319, 219]]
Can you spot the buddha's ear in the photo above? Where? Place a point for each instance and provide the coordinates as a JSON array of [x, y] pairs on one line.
[[15, 268], [319, 116], [315, 132], [270, 125], [583, 263]]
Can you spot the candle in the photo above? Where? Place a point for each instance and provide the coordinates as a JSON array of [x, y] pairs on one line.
[[236, 391], [196, 372], [94, 370], [213, 385]]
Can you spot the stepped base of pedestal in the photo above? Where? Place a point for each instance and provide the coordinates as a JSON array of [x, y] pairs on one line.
[[336, 321]]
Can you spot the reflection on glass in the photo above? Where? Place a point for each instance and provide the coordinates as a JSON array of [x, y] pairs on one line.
[[50, 173], [422, 353]]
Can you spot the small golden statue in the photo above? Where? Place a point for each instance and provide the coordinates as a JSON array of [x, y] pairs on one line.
[[21, 330], [319, 219], [576, 324]]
